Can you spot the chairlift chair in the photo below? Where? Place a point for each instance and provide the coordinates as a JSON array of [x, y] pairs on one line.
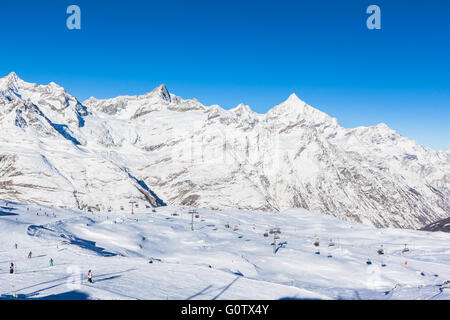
[[406, 249]]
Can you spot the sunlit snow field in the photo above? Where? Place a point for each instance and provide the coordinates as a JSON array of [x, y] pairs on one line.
[[213, 261]]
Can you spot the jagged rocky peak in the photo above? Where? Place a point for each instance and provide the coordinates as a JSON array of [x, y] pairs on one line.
[[162, 92], [10, 82], [12, 76]]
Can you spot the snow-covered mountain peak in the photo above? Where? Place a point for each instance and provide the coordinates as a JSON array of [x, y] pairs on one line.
[[294, 109], [162, 92], [294, 98], [12, 77], [241, 108], [10, 83], [243, 111]]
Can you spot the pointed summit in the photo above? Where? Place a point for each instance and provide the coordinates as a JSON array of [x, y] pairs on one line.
[[10, 83], [10, 80], [293, 104], [12, 76], [162, 92], [294, 109], [293, 97]]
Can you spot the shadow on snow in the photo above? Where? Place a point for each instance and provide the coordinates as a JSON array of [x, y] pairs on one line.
[[34, 231]]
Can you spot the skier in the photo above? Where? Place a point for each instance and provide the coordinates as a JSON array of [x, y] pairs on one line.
[[15, 245], [29, 255], [51, 262], [11, 268], [90, 276]]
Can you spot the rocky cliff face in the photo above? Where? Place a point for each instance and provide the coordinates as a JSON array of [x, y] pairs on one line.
[[159, 148]]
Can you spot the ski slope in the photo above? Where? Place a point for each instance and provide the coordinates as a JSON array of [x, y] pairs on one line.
[[213, 261]]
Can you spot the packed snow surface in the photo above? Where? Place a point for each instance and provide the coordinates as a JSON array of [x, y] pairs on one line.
[[226, 256]]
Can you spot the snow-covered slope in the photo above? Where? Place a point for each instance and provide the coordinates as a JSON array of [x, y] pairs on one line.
[[213, 261], [158, 147]]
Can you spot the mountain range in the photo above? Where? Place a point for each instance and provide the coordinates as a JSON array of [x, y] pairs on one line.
[[157, 149]]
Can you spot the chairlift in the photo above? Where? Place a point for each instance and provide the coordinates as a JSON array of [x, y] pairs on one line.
[[405, 249], [381, 250], [317, 252], [331, 244], [275, 231], [266, 234], [368, 262]]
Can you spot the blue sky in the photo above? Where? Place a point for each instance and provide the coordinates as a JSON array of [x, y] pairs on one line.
[[255, 52]]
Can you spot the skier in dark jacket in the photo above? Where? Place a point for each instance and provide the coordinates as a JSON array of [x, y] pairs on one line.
[[11, 268], [90, 276]]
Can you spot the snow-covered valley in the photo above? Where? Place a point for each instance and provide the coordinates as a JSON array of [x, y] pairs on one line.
[[226, 256]]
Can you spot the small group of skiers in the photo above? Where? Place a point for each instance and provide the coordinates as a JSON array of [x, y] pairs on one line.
[[12, 270], [51, 262]]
